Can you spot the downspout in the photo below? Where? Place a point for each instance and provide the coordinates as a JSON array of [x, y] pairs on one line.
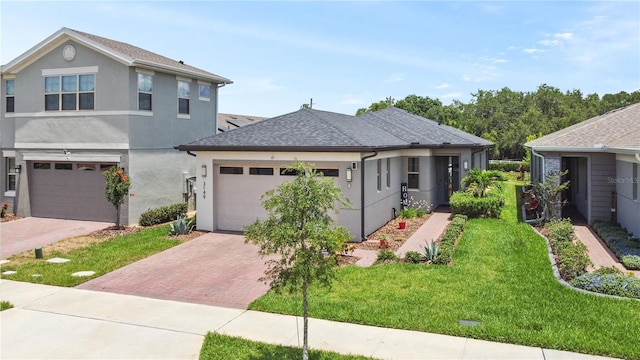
[[542, 163], [362, 237], [190, 153]]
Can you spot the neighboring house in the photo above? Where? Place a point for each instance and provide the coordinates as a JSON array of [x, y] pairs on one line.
[[76, 104], [602, 156], [227, 122], [369, 156]]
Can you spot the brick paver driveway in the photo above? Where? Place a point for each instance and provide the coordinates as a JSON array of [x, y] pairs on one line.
[[214, 269], [29, 233]]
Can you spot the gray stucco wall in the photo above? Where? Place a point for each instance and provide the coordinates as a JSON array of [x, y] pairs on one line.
[[379, 204], [628, 209]]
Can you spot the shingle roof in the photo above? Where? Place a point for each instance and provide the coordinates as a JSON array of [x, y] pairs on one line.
[[227, 122], [316, 130], [618, 128], [130, 54]]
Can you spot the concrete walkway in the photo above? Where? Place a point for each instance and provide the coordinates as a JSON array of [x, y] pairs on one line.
[[51, 322], [26, 234], [429, 231]]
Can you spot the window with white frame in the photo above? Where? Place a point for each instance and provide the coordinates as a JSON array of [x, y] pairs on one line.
[[10, 91], [388, 172], [204, 92], [413, 173], [379, 174], [145, 91], [10, 180], [69, 92], [183, 97]]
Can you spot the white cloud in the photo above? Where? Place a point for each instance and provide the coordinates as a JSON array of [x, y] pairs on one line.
[[395, 78], [531, 50], [550, 42], [443, 86], [565, 36], [500, 61]]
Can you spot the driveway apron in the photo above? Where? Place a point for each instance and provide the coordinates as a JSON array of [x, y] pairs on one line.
[[213, 269], [29, 233]]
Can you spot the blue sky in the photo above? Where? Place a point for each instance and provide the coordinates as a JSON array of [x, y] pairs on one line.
[[346, 55]]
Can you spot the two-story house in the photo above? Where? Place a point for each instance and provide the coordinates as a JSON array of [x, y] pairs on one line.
[[76, 104]]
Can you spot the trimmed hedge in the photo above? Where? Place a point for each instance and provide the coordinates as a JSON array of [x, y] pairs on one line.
[[612, 284], [572, 256], [448, 241], [617, 239], [475, 207], [162, 214], [507, 166], [560, 230]]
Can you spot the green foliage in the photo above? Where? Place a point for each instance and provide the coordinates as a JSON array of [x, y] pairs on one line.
[[608, 270], [505, 166], [386, 256], [572, 258], [181, 226], [5, 305], [217, 346], [300, 230], [475, 207], [162, 214], [611, 284], [560, 230], [3, 210], [411, 212], [117, 188], [509, 118], [479, 182], [430, 250], [413, 257], [448, 241], [549, 193], [620, 242]]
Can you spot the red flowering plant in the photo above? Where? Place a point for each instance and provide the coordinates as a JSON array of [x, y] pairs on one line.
[[118, 184], [3, 211]]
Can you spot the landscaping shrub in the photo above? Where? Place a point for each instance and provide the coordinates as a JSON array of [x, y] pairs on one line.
[[413, 257], [560, 230], [411, 212], [573, 259], [162, 214], [497, 174], [386, 255], [612, 284], [506, 166], [448, 241], [475, 207], [618, 240]]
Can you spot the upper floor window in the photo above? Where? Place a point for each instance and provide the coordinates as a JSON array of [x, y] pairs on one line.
[[145, 90], [11, 92], [10, 180], [183, 97], [69, 92], [413, 173], [204, 92]]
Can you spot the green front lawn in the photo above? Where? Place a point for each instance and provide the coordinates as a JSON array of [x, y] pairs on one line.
[[102, 258], [218, 346], [501, 277]]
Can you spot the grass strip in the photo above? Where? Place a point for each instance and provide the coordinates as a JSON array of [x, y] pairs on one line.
[[224, 347], [502, 277], [102, 257]]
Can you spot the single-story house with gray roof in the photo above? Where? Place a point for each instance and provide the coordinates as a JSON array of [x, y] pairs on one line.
[[602, 156], [370, 156]]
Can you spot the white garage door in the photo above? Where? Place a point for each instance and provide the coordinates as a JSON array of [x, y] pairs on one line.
[[237, 194], [69, 190]]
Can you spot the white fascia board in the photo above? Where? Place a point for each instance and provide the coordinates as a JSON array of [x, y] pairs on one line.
[[589, 149], [79, 157], [60, 146]]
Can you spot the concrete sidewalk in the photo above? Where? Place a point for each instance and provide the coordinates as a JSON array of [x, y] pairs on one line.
[[429, 231], [65, 323]]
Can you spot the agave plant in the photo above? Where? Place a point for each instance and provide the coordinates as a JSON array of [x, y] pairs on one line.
[[181, 226], [431, 250]]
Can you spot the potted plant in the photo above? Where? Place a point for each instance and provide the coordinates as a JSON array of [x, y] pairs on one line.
[[384, 241], [402, 223]]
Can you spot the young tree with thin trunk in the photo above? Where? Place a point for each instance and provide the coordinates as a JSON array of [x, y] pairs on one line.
[[301, 232], [118, 184]]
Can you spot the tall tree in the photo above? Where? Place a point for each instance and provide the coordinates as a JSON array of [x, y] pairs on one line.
[[300, 230], [117, 188]]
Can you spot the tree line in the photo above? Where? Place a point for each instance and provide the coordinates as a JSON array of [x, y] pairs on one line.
[[508, 117]]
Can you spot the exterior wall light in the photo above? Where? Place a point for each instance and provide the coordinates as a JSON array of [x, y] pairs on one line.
[[203, 173], [18, 168], [349, 175], [465, 165]]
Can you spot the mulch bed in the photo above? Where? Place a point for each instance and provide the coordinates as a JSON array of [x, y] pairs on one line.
[[396, 236], [10, 217]]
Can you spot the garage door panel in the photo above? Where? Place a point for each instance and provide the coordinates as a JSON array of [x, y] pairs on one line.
[[69, 194]]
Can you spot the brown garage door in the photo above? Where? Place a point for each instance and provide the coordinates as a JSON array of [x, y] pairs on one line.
[[69, 190]]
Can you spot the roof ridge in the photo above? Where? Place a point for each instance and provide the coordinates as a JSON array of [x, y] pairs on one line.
[[312, 111]]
